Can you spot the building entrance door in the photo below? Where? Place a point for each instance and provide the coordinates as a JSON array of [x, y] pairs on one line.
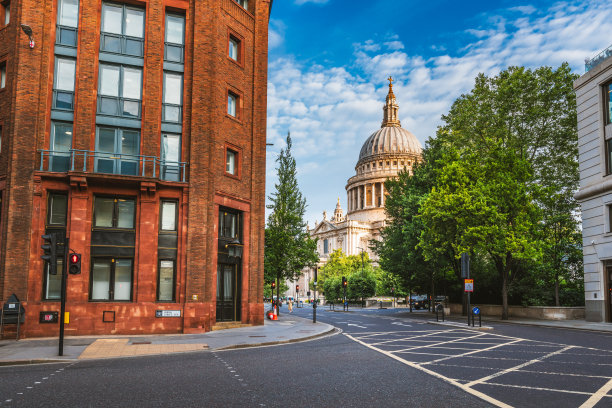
[[227, 293]]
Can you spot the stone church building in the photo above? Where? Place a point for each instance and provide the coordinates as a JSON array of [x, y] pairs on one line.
[[384, 153]]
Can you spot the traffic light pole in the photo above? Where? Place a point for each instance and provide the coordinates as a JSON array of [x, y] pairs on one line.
[[63, 296], [314, 304]]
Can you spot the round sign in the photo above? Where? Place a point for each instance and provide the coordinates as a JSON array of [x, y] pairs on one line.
[[476, 310]]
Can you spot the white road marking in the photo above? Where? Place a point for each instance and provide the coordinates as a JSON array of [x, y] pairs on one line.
[[598, 395], [436, 344], [356, 325], [472, 352], [516, 368], [469, 390]]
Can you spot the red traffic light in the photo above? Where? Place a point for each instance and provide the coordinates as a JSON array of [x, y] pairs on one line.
[[74, 261], [297, 287], [273, 285]]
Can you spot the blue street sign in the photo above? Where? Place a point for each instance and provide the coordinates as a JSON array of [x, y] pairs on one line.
[[476, 310]]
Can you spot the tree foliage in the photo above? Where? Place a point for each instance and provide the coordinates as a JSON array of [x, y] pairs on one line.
[[288, 247]]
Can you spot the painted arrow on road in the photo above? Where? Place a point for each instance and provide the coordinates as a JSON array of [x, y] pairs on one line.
[[356, 325], [402, 324]]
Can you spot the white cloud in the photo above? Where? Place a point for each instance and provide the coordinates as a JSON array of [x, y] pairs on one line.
[[330, 111], [276, 33]]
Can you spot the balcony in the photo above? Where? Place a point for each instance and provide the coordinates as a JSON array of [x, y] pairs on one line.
[[589, 64], [88, 161]]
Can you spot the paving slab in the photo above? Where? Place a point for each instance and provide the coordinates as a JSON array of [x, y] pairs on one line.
[[287, 329]]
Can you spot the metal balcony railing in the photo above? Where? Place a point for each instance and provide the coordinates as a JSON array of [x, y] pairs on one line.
[[88, 161], [589, 64]]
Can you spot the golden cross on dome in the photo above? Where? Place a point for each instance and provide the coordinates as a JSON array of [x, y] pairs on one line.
[[390, 79]]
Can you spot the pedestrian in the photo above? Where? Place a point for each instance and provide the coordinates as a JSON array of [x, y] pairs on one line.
[[290, 305]]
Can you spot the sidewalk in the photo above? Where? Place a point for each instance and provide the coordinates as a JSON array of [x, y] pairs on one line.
[[287, 329]]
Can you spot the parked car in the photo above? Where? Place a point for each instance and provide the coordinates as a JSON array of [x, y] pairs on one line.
[[419, 302]]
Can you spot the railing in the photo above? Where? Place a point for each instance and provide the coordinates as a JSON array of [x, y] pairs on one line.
[[89, 161], [598, 59]]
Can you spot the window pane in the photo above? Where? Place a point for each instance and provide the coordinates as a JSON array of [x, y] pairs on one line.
[[100, 280], [171, 148], [65, 74], [174, 53], [134, 23], [62, 137], [132, 83], [7, 13], [54, 282], [103, 211], [111, 18], [69, 13], [609, 155], [110, 43], [109, 80], [123, 279], [173, 86], [174, 29], [109, 106], [133, 47], [131, 109], [63, 100], [608, 90], [172, 113], [125, 213], [168, 216], [166, 280], [230, 162], [58, 203], [106, 140], [231, 105], [2, 75], [233, 49], [129, 143]]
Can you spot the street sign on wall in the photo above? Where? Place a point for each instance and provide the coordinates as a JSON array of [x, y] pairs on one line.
[[469, 285]]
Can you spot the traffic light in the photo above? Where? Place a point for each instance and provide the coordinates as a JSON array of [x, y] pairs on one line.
[[273, 285], [344, 282], [297, 287], [75, 264], [50, 252]]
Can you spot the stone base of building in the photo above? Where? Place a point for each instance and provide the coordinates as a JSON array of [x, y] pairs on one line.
[[594, 311]]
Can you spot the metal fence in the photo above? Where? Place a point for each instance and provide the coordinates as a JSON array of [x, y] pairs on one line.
[[589, 64]]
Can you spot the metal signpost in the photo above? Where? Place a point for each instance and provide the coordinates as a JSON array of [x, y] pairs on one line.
[[314, 303], [465, 273]]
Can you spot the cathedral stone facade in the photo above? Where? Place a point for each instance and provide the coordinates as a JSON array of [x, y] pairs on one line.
[[383, 155]]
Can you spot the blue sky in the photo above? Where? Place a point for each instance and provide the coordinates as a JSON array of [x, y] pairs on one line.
[[329, 60]]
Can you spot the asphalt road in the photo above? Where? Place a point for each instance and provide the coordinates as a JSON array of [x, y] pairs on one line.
[[381, 358]]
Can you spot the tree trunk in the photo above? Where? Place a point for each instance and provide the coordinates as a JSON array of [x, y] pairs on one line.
[[277, 296], [504, 296], [557, 303]]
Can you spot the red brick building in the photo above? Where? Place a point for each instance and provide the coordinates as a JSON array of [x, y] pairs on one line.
[[137, 128]]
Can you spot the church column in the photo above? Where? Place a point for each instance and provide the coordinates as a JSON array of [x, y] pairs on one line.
[[358, 196], [382, 194]]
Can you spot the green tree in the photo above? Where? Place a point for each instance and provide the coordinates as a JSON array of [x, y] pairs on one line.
[[288, 246], [510, 148], [361, 284]]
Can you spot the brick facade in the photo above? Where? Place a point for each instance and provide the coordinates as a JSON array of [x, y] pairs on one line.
[[26, 105]]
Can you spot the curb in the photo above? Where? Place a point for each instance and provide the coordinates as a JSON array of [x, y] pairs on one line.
[[273, 343], [35, 361]]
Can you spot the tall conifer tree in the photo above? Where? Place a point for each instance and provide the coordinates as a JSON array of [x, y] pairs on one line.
[[288, 246]]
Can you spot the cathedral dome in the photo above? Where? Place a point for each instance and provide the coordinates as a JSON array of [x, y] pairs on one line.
[[390, 139]]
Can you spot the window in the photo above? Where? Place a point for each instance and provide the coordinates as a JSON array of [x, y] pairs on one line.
[[2, 75], [325, 246], [168, 215], [609, 211], [175, 38], [170, 157], [111, 279], [243, 3], [60, 145], [57, 205], [608, 102], [122, 30], [609, 156], [117, 151], [232, 101], [165, 283], [229, 225], [234, 48], [173, 97], [63, 86], [231, 161], [120, 91], [6, 8], [110, 212], [67, 22]]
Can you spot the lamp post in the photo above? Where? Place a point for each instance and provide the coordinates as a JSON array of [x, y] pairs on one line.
[[314, 303], [28, 31]]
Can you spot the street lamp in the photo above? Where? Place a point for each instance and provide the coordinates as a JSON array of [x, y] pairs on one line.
[[28, 31]]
